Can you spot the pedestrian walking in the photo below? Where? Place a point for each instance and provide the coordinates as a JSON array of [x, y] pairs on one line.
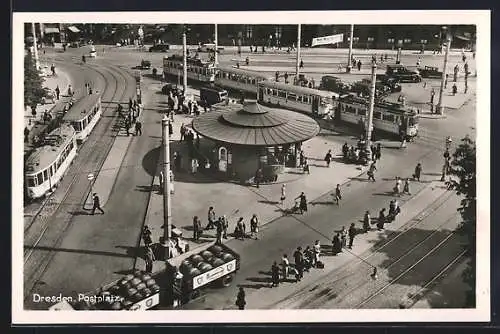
[[225, 226], [299, 262], [317, 252], [211, 218], [328, 158], [97, 204], [433, 93], [146, 235], [352, 234], [301, 65], [258, 177], [371, 172], [336, 244], [366, 221], [275, 275], [26, 134], [58, 92], [84, 60], [454, 89], [70, 90], [149, 258], [138, 128], [338, 195], [283, 193], [418, 171], [444, 171], [285, 266], [254, 227], [406, 187], [397, 187], [196, 228], [240, 299], [343, 238], [303, 202], [381, 219], [218, 231], [359, 65], [239, 231]]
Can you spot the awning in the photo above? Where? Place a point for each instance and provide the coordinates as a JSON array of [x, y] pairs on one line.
[[73, 29], [463, 38], [51, 30]]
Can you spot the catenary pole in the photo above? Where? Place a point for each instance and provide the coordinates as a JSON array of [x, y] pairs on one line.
[[298, 52], [369, 126], [35, 47], [184, 61], [349, 63], [216, 58], [440, 107], [167, 208]]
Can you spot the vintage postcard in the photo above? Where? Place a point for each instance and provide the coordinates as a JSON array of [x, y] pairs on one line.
[[251, 167]]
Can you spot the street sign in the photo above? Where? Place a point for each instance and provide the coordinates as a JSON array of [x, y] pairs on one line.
[[90, 176]]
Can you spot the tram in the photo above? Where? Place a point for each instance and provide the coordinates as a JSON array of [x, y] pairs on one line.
[[239, 79], [47, 164], [307, 100], [387, 117], [84, 115], [197, 69]]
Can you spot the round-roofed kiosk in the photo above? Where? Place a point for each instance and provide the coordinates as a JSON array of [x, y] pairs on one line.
[[248, 137]]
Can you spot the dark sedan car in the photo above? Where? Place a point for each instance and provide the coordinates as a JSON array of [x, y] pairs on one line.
[[159, 48], [403, 73], [430, 72]]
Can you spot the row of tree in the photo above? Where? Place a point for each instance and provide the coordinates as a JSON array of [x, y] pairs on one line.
[[34, 92]]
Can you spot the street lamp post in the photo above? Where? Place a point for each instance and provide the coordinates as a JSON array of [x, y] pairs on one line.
[[298, 52], [369, 126], [184, 61], [440, 108], [216, 58], [349, 63], [167, 211], [35, 47]]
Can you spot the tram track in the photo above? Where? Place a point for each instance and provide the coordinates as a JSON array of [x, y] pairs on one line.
[[117, 85], [397, 243]]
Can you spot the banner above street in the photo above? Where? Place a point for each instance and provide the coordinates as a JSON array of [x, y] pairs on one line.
[[332, 39]]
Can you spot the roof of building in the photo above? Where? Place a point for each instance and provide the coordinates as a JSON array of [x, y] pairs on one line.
[[42, 157], [81, 107], [252, 124]]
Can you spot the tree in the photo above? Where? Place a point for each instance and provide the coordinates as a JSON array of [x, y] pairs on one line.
[[463, 165], [34, 91]]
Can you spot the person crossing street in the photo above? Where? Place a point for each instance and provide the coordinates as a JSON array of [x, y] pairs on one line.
[[338, 195], [352, 234], [97, 204], [371, 172]]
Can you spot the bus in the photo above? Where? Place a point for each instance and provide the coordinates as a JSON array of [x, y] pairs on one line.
[[47, 164], [84, 115], [392, 118], [239, 79], [197, 69], [318, 103]]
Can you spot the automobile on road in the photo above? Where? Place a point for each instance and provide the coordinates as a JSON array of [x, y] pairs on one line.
[[159, 48], [430, 72], [403, 73]]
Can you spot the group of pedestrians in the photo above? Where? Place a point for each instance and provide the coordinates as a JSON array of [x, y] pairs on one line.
[[131, 117], [221, 226]]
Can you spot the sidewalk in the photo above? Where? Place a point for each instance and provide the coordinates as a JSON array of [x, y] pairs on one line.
[[62, 80], [194, 194]]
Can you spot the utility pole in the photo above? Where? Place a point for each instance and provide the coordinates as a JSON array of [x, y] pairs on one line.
[[349, 63], [184, 61], [440, 108], [216, 58], [298, 52], [41, 30], [35, 47], [369, 126], [167, 211]]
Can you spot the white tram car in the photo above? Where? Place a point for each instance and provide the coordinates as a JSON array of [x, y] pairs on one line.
[[307, 100], [239, 79], [387, 117], [84, 115], [46, 165], [198, 70]]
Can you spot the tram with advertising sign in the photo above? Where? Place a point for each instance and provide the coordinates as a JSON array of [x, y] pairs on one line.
[[83, 115], [47, 164], [392, 118], [197, 69], [238, 80], [318, 103]]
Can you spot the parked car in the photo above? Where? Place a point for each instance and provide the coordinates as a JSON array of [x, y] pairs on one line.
[[212, 95], [159, 48], [430, 72], [145, 64], [362, 88], [390, 82], [403, 73], [209, 47], [334, 84], [166, 89]]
